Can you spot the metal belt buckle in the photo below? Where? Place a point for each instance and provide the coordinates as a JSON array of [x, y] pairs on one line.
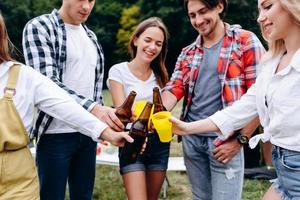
[[11, 90]]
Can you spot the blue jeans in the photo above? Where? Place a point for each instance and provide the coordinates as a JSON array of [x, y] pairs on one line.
[[62, 157], [210, 179], [287, 165]]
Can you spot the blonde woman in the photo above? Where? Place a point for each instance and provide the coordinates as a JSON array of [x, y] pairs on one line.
[[275, 98]]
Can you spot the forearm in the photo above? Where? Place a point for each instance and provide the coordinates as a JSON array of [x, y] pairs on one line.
[[59, 105], [169, 100], [117, 92], [86, 103], [249, 129], [201, 126]]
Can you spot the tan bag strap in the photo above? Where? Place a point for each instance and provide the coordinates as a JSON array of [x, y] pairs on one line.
[[13, 74]]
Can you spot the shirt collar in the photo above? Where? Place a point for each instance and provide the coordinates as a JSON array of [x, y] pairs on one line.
[[4, 67], [229, 32], [295, 62], [57, 18]]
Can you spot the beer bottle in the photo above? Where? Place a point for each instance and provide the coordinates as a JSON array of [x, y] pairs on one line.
[[123, 112], [138, 132], [157, 102], [158, 106]]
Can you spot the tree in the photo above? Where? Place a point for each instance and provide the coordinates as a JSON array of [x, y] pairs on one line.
[[129, 20], [18, 13], [244, 13], [104, 21], [114, 20]]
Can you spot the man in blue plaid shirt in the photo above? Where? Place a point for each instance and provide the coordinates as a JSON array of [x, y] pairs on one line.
[[61, 47]]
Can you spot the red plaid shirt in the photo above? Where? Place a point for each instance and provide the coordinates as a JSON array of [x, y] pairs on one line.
[[239, 55]]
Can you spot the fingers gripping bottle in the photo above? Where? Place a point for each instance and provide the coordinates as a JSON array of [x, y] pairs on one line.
[[138, 132], [123, 112]]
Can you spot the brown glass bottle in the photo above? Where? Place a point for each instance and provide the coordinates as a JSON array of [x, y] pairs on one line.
[[157, 101], [158, 106], [123, 112], [138, 132]]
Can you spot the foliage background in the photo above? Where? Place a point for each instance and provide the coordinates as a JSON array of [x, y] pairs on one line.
[[114, 20]]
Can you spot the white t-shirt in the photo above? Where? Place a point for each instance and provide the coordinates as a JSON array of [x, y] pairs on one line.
[[80, 69], [35, 90], [122, 74]]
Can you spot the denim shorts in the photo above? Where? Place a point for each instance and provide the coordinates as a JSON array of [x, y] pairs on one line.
[[154, 158], [287, 165]]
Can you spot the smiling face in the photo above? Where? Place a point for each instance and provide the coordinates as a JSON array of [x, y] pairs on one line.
[[76, 11], [149, 44], [205, 20], [274, 20]]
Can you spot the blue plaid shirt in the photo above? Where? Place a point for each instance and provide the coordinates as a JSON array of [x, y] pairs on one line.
[[44, 47]]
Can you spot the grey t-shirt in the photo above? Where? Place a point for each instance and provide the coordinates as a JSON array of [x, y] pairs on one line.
[[206, 98]]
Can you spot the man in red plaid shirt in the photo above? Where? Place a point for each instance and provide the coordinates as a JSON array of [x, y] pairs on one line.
[[210, 74]]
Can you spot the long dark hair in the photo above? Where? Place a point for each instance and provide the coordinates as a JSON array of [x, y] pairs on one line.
[[158, 64], [4, 42]]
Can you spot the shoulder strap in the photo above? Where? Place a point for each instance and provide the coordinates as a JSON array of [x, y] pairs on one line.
[[13, 74]]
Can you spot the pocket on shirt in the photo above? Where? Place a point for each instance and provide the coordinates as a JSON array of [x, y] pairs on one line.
[[234, 69], [235, 66]]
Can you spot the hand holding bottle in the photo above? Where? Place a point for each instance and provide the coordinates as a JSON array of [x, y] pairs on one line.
[[124, 112], [108, 116], [138, 132], [116, 138]]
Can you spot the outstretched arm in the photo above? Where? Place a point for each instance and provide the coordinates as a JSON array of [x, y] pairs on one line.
[[186, 128]]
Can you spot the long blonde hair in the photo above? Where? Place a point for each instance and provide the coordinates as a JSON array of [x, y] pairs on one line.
[[277, 46], [4, 42]]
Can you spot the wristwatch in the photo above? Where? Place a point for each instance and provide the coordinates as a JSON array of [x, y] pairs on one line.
[[242, 139]]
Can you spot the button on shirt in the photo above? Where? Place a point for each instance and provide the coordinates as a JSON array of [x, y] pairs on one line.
[[275, 98], [36, 90]]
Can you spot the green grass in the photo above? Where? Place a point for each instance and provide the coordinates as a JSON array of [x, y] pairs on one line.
[[108, 185]]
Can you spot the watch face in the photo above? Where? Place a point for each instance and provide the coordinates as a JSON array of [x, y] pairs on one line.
[[243, 139]]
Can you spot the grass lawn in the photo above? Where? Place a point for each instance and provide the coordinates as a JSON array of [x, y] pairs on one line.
[[108, 185]]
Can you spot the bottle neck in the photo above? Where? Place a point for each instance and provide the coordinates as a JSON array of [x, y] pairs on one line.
[[156, 96], [128, 101], [146, 112]]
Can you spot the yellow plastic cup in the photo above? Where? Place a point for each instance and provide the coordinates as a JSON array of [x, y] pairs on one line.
[[163, 126], [138, 107]]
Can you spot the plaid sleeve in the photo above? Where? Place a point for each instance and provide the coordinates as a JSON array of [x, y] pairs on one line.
[[177, 82], [252, 53], [40, 53]]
